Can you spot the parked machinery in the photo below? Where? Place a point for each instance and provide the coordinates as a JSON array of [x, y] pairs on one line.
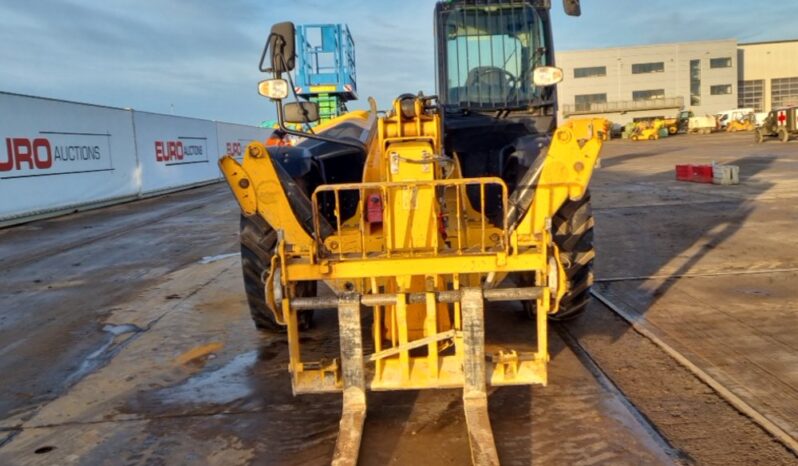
[[672, 125], [683, 120], [647, 130], [780, 123], [702, 125], [422, 215], [726, 117], [745, 122]]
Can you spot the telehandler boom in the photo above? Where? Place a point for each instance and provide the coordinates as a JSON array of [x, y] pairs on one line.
[[423, 215]]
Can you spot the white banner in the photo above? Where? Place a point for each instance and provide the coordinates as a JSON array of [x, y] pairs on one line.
[[234, 139], [55, 155], [175, 151]]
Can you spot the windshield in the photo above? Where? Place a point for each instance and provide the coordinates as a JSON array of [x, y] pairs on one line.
[[491, 52]]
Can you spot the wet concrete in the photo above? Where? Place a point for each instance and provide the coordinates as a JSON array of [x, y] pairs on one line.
[[151, 404], [711, 268], [63, 277]]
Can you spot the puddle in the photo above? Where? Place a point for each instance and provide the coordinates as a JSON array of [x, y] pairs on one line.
[[198, 353], [211, 259], [121, 329], [224, 385], [102, 354]]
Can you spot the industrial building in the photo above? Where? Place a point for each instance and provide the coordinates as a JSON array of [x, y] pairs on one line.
[[626, 84]]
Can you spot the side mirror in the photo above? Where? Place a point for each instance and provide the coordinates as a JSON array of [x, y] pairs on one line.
[[544, 76], [301, 112], [275, 89], [572, 7], [281, 49]]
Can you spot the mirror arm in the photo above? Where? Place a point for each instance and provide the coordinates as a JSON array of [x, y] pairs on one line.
[[263, 55]]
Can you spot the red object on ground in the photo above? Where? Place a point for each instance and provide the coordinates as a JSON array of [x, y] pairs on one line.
[[374, 209], [694, 173], [684, 172]]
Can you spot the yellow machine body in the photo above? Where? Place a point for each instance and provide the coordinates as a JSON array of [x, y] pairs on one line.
[[431, 244], [746, 123]]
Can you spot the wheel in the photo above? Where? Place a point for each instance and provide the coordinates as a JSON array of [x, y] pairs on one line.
[[759, 136], [652, 138], [783, 134], [673, 130], [258, 240], [635, 138], [572, 230]]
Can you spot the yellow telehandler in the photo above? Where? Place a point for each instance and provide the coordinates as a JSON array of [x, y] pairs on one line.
[[744, 123], [422, 215]]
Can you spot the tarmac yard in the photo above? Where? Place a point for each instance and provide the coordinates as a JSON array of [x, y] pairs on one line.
[[125, 336]]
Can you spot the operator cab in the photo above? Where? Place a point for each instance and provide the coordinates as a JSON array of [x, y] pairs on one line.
[[495, 80], [496, 56], [487, 53]]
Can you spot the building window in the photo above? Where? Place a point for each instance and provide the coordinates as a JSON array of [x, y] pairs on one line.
[[720, 62], [590, 72], [721, 89], [695, 82], [652, 94], [642, 68], [584, 102], [784, 92], [751, 94]]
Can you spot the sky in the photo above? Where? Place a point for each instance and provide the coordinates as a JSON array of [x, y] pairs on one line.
[[199, 58]]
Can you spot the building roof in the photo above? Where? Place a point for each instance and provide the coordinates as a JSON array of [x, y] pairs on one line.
[[785, 41], [664, 44]]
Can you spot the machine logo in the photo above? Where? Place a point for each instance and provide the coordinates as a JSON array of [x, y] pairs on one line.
[[782, 118]]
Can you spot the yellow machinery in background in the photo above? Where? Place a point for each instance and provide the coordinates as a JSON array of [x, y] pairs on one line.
[[672, 124], [746, 123], [647, 130], [417, 241]]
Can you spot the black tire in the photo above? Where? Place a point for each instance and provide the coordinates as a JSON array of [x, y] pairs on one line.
[[759, 136], [258, 240], [572, 228], [784, 135]]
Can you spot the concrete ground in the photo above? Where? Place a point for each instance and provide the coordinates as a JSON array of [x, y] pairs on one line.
[[120, 344], [712, 268], [126, 338]]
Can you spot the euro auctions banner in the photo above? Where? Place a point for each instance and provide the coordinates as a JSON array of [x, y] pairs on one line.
[[58, 156], [234, 139], [55, 155], [175, 151]]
